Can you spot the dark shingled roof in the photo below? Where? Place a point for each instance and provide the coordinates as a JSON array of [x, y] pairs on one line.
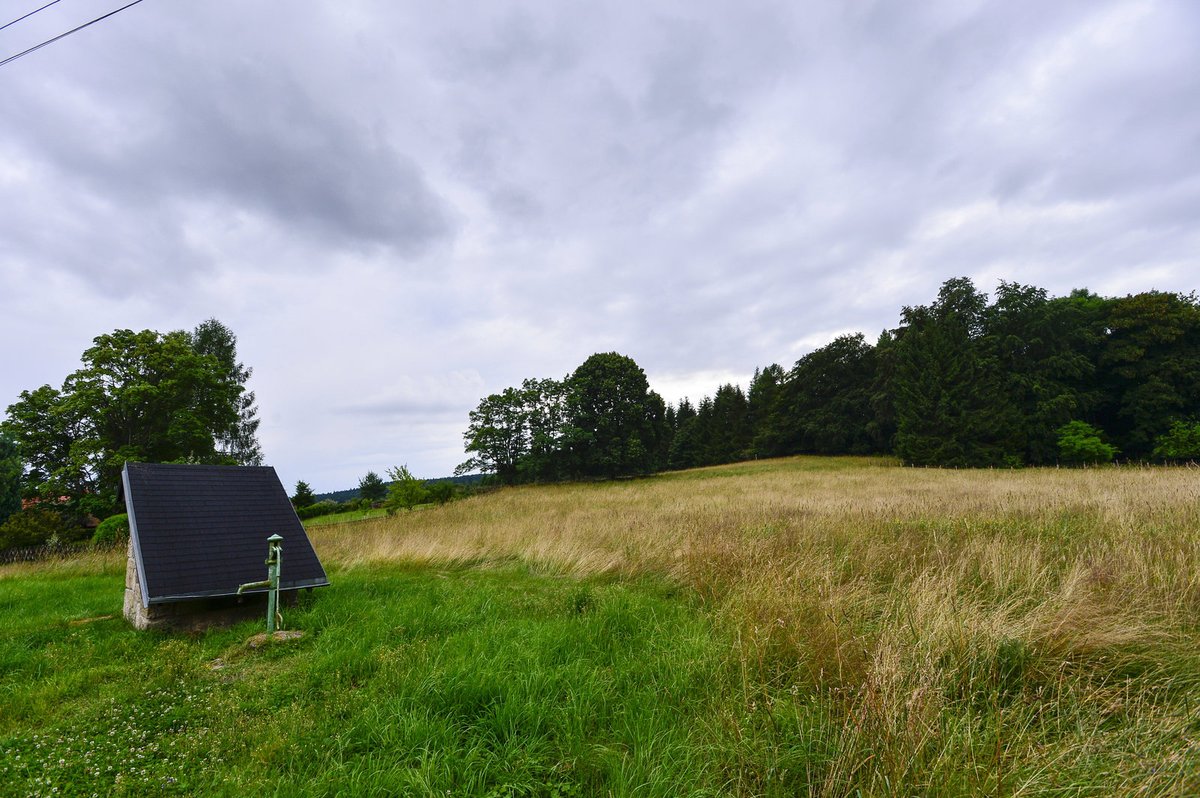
[[200, 531]]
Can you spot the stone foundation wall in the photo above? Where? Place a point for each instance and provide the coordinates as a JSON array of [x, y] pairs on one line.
[[195, 615]]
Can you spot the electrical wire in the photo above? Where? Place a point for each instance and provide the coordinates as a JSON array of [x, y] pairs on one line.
[[30, 14], [12, 58]]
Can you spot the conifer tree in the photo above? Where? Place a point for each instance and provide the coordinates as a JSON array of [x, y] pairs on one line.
[[950, 409]]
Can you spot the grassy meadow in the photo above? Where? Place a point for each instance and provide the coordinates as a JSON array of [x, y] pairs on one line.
[[806, 626]]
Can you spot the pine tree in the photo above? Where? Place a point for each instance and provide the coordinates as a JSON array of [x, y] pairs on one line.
[[372, 488], [950, 408], [303, 496]]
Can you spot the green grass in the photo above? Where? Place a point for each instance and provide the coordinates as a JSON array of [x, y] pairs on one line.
[[820, 627], [498, 683], [358, 515], [346, 517]]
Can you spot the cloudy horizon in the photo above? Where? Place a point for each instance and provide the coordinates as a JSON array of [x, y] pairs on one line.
[[400, 209]]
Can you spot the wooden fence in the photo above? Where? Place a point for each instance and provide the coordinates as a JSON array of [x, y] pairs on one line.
[[46, 551]]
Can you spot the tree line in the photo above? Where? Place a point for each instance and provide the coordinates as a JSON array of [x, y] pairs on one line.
[[403, 491], [1021, 379], [602, 420]]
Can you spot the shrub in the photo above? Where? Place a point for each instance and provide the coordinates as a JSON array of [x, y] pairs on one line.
[[32, 527], [1181, 442], [112, 529], [1079, 442], [324, 507], [441, 492]]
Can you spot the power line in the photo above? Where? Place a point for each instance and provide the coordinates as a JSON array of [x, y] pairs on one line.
[[30, 14], [12, 58]]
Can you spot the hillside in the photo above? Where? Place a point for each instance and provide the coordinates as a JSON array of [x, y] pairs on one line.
[[804, 626], [352, 493]]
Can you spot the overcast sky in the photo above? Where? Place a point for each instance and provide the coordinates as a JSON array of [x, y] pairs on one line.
[[402, 207]]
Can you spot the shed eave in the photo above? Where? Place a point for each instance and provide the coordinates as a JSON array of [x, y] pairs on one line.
[[298, 585]]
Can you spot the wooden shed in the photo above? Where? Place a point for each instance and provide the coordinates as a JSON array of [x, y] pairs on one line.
[[198, 532]]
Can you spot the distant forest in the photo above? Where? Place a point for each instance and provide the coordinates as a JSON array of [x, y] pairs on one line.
[[1025, 379], [354, 493]]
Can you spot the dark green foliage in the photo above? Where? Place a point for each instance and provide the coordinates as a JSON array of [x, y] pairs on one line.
[[238, 443], [10, 478], [34, 526], [684, 412], [960, 383], [1181, 442], [348, 495], [113, 529], [1150, 367], [139, 396], [372, 488], [688, 448], [720, 431], [731, 430], [498, 436], [542, 416], [613, 419], [1039, 348], [1080, 443], [303, 496], [950, 406], [882, 427], [52, 441], [825, 405], [659, 431], [148, 397], [315, 509], [601, 421], [441, 492], [762, 401]]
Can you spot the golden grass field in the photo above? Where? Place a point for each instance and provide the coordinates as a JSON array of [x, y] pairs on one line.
[[1055, 613]]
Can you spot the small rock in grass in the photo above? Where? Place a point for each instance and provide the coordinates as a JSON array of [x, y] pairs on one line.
[[261, 638]]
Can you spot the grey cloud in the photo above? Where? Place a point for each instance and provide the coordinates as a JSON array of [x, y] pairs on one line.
[[428, 396], [402, 408], [704, 186], [243, 140], [274, 149]]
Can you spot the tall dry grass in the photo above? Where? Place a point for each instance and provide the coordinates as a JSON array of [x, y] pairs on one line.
[[998, 632]]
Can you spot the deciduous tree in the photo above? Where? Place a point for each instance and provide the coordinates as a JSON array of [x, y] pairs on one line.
[[1039, 350], [826, 401], [1150, 367], [497, 436], [405, 491], [610, 417], [140, 396], [10, 478]]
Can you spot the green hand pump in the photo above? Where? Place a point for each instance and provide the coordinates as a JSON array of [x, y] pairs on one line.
[[274, 561]]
